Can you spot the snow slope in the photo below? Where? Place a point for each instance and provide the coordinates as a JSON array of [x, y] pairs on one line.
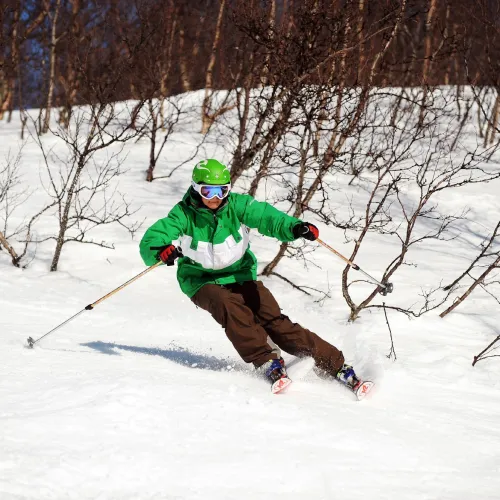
[[144, 397]]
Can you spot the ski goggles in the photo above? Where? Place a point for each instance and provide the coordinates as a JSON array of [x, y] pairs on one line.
[[209, 191]]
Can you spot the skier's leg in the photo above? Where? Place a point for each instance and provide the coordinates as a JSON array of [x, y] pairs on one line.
[[274, 347], [228, 308], [291, 337]]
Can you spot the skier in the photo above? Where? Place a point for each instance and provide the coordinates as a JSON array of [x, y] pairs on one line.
[[217, 270]]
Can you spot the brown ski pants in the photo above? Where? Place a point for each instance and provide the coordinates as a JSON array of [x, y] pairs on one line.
[[249, 314]]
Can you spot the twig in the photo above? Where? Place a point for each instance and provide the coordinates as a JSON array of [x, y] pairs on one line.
[[289, 282], [482, 285], [478, 357], [407, 312], [485, 248], [392, 351]]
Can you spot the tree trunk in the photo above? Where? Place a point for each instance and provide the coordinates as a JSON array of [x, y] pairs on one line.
[[269, 268], [164, 90], [53, 43], [4, 243], [153, 115], [291, 19], [427, 58], [299, 203], [71, 78], [361, 61], [186, 85], [7, 102], [271, 21], [243, 120], [322, 116], [10, 84], [63, 224], [491, 129], [397, 106], [205, 111], [22, 111], [263, 168]]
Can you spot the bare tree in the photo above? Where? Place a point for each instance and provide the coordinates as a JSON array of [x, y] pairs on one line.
[[13, 196], [20, 30], [433, 169], [204, 34], [483, 73], [81, 195], [10, 199], [400, 170], [160, 119], [344, 110]]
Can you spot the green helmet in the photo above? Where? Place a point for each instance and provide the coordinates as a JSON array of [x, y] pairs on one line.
[[211, 172]]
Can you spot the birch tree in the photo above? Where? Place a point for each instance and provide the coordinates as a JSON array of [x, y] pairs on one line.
[[53, 16], [79, 184], [207, 115]]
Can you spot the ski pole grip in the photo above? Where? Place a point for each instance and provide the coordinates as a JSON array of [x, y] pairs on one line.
[[355, 267]]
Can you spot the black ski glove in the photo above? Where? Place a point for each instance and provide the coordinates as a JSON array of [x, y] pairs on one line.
[[306, 230], [168, 253]]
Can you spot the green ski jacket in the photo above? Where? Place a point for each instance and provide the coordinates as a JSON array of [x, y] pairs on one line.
[[215, 244]]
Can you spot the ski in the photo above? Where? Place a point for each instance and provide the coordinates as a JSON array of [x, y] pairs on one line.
[[363, 389], [280, 385]]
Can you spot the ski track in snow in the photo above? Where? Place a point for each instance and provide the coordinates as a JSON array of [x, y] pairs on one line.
[[144, 397]]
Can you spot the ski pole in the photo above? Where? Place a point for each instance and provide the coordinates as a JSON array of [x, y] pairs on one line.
[[32, 342], [386, 287]]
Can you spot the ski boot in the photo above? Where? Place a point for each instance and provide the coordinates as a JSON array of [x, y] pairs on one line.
[[347, 376], [275, 372]]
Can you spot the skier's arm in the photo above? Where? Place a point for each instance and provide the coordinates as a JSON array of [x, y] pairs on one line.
[[262, 216], [162, 233]]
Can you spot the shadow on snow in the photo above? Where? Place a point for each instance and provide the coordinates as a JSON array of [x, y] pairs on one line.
[[178, 355]]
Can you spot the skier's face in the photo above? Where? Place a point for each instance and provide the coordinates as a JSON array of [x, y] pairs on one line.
[[213, 204]]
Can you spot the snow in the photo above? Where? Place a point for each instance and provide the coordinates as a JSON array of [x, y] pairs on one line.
[[144, 397]]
